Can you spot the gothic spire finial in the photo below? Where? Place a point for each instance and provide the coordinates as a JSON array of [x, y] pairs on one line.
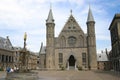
[[50, 5], [90, 16], [50, 16], [89, 5], [71, 11], [41, 47]]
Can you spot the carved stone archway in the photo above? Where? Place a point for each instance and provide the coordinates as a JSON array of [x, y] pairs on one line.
[[71, 64], [71, 61]]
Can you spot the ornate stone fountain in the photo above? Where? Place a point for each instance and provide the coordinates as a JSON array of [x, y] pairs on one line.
[[23, 73], [24, 56]]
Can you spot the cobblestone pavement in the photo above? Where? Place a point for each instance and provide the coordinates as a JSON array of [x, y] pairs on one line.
[[73, 75], [77, 75], [2, 75]]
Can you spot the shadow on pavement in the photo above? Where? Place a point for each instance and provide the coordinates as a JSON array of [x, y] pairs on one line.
[[2, 78], [112, 73]]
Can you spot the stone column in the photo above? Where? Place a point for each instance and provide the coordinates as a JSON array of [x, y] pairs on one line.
[[4, 58], [68, 65], [75, 66], [8, 59], [0, 58], [119, 64]]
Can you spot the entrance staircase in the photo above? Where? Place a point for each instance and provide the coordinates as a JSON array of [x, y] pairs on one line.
[[71, 68]]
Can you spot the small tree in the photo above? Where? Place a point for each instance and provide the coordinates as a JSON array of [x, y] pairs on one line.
[[1, 69], [79, 68], [62, 67]]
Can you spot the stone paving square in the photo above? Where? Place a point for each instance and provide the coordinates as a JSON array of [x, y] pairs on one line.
[[74, 75], [77, 75]]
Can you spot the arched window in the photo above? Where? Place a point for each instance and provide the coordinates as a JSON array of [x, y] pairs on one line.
[[60, 58], [63, 42], [81, 40], [84, 58]]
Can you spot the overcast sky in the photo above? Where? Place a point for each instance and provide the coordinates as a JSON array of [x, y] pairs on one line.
[[19, 16]]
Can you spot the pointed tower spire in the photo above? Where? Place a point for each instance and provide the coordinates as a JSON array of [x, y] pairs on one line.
[[90, 16], [50, 48], [71, 11], [41, 48], [50, 16], [91, 41]]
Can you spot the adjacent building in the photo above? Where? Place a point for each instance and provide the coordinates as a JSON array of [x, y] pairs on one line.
[[42, 60], [115, 42], [103, 62], [17, 56], [72, 49], [6, 53], [32, 61]]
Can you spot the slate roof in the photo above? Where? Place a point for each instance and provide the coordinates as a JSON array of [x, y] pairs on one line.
[[17, 48], [43, 50], [102, 57], [50, 17], [5, 43]]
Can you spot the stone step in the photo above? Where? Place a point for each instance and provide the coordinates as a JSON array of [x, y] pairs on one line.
[[71, 67]]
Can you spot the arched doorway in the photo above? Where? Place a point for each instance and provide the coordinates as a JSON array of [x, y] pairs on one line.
[[71, 62]]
